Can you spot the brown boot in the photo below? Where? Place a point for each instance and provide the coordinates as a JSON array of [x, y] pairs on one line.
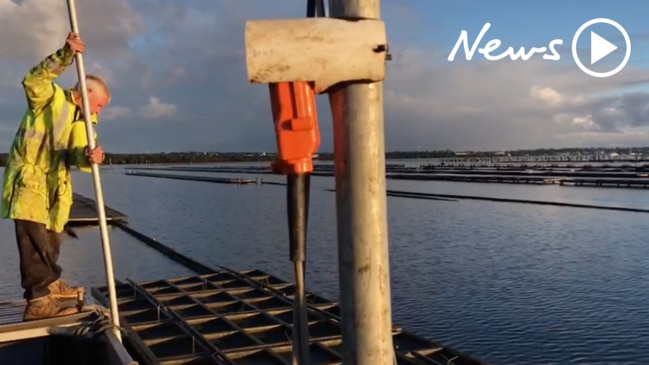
[[59, 289], [46, 307]]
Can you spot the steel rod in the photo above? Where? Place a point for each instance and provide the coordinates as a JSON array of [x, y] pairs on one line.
[[297, 199], [359, 148], [101, 210]]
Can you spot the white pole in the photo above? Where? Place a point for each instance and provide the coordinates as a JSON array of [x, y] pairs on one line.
[[101, 212], [359, 148]]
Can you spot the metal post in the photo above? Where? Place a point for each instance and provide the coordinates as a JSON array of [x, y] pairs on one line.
[[359, 148], [101, 210]]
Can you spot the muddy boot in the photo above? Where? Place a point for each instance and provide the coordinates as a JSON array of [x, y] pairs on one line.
[[46, 307], [60, 290]]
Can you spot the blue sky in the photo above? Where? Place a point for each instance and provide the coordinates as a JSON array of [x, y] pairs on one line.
[[532, 23], [177, 71]]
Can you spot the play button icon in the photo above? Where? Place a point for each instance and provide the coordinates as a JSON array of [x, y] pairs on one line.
[[601, 47]]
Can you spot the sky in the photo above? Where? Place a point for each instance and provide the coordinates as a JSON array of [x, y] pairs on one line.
[[177, 73]]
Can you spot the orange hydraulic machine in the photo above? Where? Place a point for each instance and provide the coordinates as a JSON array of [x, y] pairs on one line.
[[295, 119]]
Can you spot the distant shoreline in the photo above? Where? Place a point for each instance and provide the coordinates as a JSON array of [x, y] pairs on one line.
[[565, 155]]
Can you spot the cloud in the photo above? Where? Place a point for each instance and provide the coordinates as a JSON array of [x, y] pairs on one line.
[[98, 69], [546, 94], [33, 28], [492, 105], [157, 109], [184, 61], [115, 112]]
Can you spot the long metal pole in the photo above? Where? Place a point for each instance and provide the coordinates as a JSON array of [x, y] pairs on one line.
[[101, 211], [359, 148], [298, 213]]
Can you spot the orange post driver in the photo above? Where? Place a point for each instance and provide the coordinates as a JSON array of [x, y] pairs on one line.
[[296, 126], [298, 138]]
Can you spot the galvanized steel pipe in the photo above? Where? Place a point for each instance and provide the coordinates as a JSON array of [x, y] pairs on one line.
[[359, 148], [101, 211]]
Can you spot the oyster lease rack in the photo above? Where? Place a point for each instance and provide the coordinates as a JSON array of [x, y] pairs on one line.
[[241, 317]]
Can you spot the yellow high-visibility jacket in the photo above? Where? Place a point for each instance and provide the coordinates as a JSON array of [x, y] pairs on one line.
[[52, 137]]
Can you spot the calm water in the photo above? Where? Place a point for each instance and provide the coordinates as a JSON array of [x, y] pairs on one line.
[[510, 283]]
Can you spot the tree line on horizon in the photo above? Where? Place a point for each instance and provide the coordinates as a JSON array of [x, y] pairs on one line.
[[207, 157]]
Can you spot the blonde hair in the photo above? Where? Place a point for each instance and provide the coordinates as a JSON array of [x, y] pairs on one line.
[[94, 83]]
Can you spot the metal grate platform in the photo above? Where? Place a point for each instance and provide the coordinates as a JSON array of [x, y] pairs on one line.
[[13, 328], [241, 318], [11, 312], [84, 212], [59, 340]]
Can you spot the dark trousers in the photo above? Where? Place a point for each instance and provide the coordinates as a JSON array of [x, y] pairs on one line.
[[39, 250]]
